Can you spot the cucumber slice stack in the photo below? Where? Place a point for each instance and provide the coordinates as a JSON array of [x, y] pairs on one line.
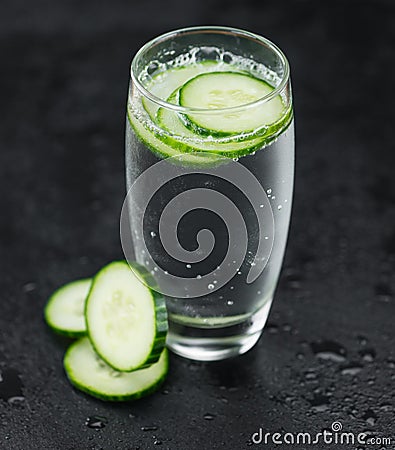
[[246, 125], [64, 312], [122, 325]]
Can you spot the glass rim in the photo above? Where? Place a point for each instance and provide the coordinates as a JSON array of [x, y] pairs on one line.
[[205, 29]]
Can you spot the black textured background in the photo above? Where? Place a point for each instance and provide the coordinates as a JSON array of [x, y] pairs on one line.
[[328, 351]]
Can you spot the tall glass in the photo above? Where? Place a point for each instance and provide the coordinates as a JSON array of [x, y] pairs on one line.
[[210, 187]]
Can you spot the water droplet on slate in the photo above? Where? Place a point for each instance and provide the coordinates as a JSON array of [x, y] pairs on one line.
[[271, 328], [370, 417], [96, 422], [10, 384], [391, 364], [319, 403], [15, 401], [29, 287], [362, 340], [329, 350], [383, 292], [368, 355], [352, 370], [310, 376]]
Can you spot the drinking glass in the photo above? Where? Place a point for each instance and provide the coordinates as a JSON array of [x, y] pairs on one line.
[[208, 212]]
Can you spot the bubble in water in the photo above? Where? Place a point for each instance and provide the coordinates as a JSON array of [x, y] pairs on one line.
[[198, 277], [229, 302], [188, 266], [152, 67], [269, 191], [153, 234], [231, 288], [210, 286], [279, 207], [208, 416], [149, 428]]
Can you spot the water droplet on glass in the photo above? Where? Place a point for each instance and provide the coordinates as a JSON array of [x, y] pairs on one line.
[[231, 288], [269, 191], [279, 207], [153, 234], [210, 286], [229, 302], [96, 422], [208, 416], [157, 442], [188, 266], [239, 273], [149, 428], [261, 206], [258, 292], [198, 277]]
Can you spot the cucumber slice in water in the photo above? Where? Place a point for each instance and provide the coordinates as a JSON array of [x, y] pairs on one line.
[[218, 90], [126, 320], [64, 312], [88, 373], [170, 121]]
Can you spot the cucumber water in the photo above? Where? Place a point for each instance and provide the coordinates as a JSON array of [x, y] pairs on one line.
[[258, 136]]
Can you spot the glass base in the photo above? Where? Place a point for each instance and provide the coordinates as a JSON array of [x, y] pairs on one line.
[[213, 344]]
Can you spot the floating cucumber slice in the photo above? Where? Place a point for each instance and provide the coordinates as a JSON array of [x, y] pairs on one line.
[[171, 121], [126, 319], [87, 372], [64, 312], [164, 83], [218, 90]]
